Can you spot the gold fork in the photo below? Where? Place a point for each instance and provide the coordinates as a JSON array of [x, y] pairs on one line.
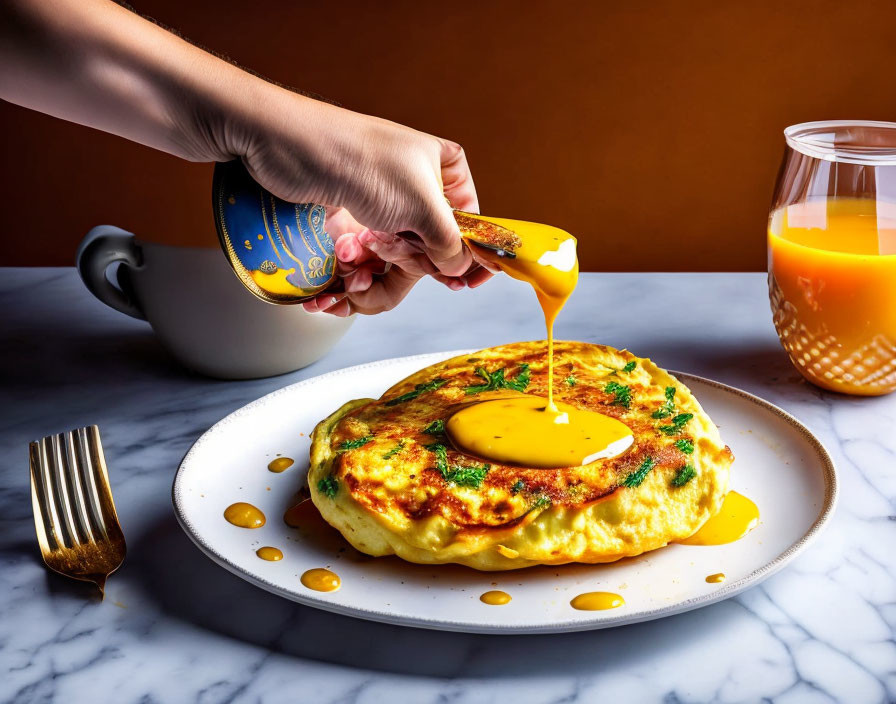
[[77, 527]]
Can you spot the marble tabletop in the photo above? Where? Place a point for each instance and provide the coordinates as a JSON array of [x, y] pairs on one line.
[[176, 627]]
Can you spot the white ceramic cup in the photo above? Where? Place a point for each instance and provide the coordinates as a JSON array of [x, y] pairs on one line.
[[199, 309]]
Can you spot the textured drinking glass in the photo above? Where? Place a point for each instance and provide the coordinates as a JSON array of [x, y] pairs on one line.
[[832, 254]]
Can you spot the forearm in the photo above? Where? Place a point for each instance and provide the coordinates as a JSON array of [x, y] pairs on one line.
[[98, 64]]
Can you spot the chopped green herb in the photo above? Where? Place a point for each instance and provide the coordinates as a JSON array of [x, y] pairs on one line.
[[441, 453], [471, 476], [328, 486], [668, 407], [678, 423], [640, 474], [541, 501], [497, 380], [418, 389], [347, 445], [394, 451], [622, 394], [627, 368], [518, 486], [571, 380], [437, 427], [686, 445], [684, 475]]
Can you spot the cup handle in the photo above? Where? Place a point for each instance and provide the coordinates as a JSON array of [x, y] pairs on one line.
[[103, 246]]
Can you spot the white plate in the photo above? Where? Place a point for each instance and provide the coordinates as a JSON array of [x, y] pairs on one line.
[[779, 464]]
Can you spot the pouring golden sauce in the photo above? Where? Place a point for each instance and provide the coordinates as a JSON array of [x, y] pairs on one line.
[[244, 515], [546, 260], [270, 554], [321, 580], [716, 578], [280, 464], [737, 517], [524, 430], [597, 601], [495, 598]]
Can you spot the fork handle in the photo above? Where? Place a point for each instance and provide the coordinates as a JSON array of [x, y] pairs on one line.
[[103, 246]]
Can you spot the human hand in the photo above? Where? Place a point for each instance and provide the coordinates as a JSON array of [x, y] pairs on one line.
[[377, 270], [150, 86], [399, 186]]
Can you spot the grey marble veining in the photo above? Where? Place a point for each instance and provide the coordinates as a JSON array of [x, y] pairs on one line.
[[175, 627]]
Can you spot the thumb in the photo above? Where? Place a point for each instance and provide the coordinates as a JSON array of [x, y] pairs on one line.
[[443, 243]]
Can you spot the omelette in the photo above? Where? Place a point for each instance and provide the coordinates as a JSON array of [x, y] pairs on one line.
[[386, 475]]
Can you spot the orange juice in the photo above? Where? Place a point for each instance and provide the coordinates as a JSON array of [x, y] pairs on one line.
[[832, 281]]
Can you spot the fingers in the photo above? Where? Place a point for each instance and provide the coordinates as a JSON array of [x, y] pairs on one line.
[[328, 303], [339, 221], [385, 292], [349, 252], [438, 229], [401, 251], [478, 277], [457, 181], [443, 243]]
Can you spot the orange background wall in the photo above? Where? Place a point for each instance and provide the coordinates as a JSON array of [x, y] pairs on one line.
[[651, 130]]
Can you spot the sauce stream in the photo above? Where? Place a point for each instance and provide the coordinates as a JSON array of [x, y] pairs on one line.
[[525, 430]]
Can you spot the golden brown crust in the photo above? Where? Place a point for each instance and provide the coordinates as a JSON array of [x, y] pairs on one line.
[[393, 478], [488, 233]]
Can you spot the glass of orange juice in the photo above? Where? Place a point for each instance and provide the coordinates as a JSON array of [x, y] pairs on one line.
[[832, 254]]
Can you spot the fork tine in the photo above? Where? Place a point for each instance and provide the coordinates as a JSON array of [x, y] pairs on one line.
[[52, 504], [100, 476], [74, 515], [63, 489], [40, 503], [81, 495], [86, 465]]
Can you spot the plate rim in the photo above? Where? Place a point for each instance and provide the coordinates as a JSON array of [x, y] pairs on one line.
[[761, 573]]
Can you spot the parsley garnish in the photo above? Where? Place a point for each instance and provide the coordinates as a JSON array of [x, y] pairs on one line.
[[347, 445], [678, 423], [496, 380], [437, 427], [684, 475], [418, 389], [622, 393], [630, 367], [640, 474], [471, 476], [686, 445], [542, 501], [441, 453], [328, 486], [668, 407], [394, 451], [518, 486], [571, 380]]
